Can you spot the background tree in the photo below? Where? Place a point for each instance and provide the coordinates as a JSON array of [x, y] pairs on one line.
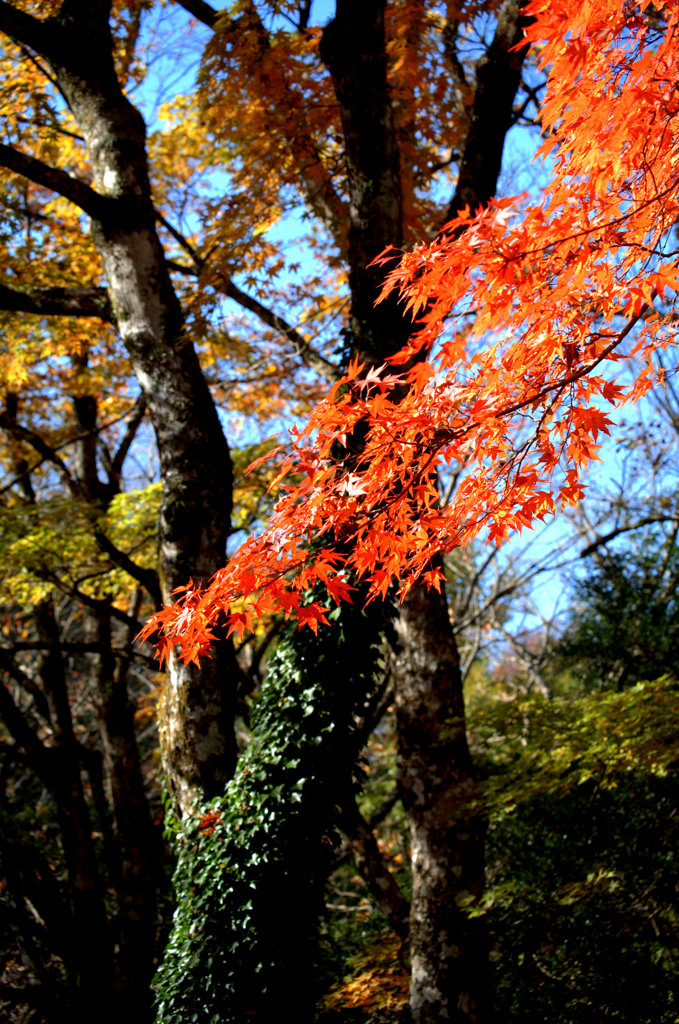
[[84, 871]]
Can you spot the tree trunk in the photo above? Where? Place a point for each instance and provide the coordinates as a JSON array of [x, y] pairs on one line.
[[137, 841], [449, 954], [60, 766], [197, 737], [353, 47]]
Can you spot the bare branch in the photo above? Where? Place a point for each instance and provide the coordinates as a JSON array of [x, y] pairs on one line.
[[97, 604], [133, 425], [147, 577], [47, 453], [18, 727], [9, 665], [181, 268], [612, 534], [182, 241], [80, 647], [227, 286], [463, 90], [304, 12]]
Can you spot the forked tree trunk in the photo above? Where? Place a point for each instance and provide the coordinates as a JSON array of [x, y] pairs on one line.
[[449, 951]]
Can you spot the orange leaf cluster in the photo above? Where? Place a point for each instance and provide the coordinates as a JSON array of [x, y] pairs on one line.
[[523, 311]]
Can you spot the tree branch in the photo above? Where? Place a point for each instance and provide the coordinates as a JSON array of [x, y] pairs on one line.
[[9, 665], [612, 534], [57, 301], [200, 10], [373, 869], [463, 90], [97, 604], [181, 268], [498, 76], [20, 730], [226, 285], [300, 345], [147, 577], [83, 647], [47, 453], [182, 242], [133, 425], [90, 201], [44, 36]]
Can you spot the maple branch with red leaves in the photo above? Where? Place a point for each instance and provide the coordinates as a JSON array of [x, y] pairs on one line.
[[548, 282]]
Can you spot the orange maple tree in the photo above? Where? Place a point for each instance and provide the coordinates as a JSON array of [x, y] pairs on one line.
[[524, 310]]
